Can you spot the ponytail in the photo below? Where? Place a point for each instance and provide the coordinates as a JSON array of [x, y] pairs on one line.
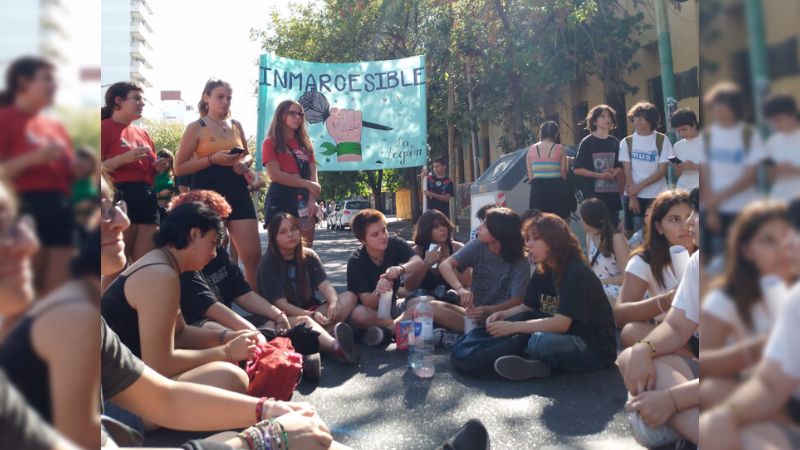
[[606, 238], [119, 89], [25, 67]]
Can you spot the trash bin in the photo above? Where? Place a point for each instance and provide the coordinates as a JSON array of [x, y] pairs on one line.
[[504, 183]]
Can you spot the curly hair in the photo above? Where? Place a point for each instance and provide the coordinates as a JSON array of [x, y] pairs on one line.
[[212, 199], [562, 243]]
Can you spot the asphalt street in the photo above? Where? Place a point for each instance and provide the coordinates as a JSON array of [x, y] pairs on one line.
[[383, 405]]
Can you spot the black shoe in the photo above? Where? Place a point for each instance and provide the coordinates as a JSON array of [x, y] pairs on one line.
[[517, 368], [374, 336], [348, 348], [312, 367], [472, 436]]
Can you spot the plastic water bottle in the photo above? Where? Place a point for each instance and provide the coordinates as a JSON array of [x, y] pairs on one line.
[[420, 352], [385, 305]]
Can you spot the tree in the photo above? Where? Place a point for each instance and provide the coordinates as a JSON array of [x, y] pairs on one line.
[[165, 134], [83, 126]]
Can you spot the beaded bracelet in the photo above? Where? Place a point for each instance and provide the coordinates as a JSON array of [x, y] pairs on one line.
[[649, 344], [221, 336], [284, 435]]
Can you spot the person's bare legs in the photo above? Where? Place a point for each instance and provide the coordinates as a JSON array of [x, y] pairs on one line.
[[327, 343], [348, 302], [51, 268], [129, 238], [633, 332], [445, 315], [143, 241], [364, 317], [764, 436], [244, 234], [714, 391], [671, 371]]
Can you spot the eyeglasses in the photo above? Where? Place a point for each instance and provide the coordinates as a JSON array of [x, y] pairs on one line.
[[296, 113], [12, 229], [109, 209]]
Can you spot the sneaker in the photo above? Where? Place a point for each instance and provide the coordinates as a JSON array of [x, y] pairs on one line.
[[650, 437], [472, 436], [518, 369], [445, 338], [374, 336], [347, 345], [312, 367]]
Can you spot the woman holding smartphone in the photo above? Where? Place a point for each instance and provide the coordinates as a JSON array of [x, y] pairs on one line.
[[214, 150]]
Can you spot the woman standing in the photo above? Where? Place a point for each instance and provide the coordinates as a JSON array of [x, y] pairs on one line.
[[547, 169], [36, 155], [128, 154], [608, 250], [289, 157], [211, 150]]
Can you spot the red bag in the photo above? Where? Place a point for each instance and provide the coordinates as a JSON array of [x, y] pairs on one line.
[[275, 370]]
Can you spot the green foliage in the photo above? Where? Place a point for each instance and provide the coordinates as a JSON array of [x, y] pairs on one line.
[[83, 126], [165, 134]]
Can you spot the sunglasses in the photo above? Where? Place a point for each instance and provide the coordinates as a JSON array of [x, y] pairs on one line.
[[109, 210], [296, 114]]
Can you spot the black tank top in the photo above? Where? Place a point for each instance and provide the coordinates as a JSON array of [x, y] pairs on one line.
[[119, 314], [431, 279], [29, 373]]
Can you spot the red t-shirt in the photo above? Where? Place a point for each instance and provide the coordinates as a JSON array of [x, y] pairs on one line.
[[117, 138], [23, 133], [285, 160]]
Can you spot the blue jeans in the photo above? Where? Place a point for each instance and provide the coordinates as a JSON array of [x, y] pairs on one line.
[[562, 352]]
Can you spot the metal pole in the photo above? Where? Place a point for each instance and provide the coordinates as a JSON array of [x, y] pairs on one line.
[[754, 17], [665, 59]]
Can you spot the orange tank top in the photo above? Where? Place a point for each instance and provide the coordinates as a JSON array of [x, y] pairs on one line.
[[209, 144]]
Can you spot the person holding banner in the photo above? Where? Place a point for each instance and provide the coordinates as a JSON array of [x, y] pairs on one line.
[[214, 150], [288, 155]]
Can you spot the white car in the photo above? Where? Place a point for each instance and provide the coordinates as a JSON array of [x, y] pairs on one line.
[[345, 212]]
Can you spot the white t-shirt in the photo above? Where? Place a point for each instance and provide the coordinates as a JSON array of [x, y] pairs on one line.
[[687, 296], [689, 150], [785, 148], [785, 339], [727, 162], [637, 266], [646, 161], [721, 306]]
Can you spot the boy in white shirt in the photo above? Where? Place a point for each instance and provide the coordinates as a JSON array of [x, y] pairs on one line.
[[733, 151], [689, 149], [644, 157], [783, 147]]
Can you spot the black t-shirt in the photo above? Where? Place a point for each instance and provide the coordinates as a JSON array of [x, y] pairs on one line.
[[442, 186], [363, 274], [580, 296], [597, 155], [221, 280], [20, 426], [272, 285]]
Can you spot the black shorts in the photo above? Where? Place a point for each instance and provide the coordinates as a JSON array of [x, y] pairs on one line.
[[549, 195], [224, 181], [54, 216], [644, 204], [141, 200]]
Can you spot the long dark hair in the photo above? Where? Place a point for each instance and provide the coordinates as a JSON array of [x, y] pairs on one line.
[[595, 213], [564, 246], [655, 248], [25, 67], [119, 89], [276, 129], [741, 277], [428, 221], [300, 255], [590, 121], [505, 226]]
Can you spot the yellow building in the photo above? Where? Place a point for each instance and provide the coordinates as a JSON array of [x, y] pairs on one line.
[[582, 94]]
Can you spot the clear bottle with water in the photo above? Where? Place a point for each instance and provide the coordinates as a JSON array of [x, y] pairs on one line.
[[420, 349]]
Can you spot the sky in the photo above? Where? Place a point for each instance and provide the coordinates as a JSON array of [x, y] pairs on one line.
[[199, 39]]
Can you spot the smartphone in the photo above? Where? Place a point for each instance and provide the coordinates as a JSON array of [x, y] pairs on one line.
[[434, 248], [674, 160], [237, 151]]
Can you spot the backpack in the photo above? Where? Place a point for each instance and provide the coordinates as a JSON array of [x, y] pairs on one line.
[[275, 370], [747, 136], [659, 144]]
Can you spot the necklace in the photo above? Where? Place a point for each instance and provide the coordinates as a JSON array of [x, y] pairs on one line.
[[172, 259], [222, 124]]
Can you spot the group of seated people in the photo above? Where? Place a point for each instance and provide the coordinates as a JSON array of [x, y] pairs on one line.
[[174, 320]]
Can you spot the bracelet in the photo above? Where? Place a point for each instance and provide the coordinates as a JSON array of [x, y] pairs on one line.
[[210, 162], [221, 337], [402, 268], [660, 308], [649, 344], [228, 355], [284, 435], [674, 403], [260, 409]]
